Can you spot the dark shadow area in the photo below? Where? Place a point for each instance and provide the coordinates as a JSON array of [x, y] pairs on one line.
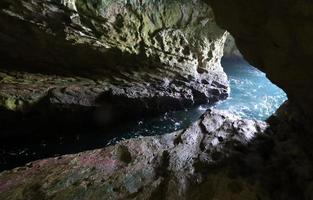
[[29, 49], [47, 131], [274, 165], [35, 135]]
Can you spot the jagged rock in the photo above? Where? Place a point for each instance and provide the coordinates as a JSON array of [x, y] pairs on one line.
[[274, 36], [172, 166], [22, 91], [230, 48], [219, 157], [149, 54]]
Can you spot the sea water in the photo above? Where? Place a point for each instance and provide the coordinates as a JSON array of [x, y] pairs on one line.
[[252, 96]]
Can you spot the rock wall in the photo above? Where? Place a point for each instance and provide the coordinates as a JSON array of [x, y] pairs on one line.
[[143, 54], [180, 34], [275, 37], [219, 157], [230, 48]]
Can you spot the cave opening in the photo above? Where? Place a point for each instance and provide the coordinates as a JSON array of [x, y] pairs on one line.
[[252, 96], [143, 100]]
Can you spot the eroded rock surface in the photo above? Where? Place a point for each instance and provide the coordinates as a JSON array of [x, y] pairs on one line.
[[143, 54], [180, 165], [230, 48], [220, 156]]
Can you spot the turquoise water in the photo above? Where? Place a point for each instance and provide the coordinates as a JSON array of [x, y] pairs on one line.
[[252, 96]]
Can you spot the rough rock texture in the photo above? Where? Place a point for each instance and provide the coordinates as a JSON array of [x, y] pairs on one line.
[[219, 157], [21, 91], [216, 158], [37, 101], [145, 54], [289, 168], [230, 48], [275, 37], [205, 161]]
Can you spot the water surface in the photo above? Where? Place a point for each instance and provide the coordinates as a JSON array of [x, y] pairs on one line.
[[252, 95]]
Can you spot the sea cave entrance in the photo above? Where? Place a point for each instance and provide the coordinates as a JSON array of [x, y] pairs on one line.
[[252, 96]]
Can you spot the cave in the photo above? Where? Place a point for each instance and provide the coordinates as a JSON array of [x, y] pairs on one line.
[[172, 99]]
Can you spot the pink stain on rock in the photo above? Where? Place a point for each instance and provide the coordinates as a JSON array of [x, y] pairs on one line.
[[101, 160], [6, 185], [23, 173]]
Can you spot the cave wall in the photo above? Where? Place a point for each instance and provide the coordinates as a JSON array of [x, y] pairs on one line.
[[230, 48], [275, 37], [141, 54], [219, 156], [179, 35]]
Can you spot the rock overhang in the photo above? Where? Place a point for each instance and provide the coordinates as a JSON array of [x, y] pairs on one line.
[[112, 46]]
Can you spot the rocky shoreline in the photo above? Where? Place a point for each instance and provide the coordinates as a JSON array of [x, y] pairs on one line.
[[167, 166], [220, 156], [106, 62]]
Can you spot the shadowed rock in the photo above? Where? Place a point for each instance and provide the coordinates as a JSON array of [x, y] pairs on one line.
[[143, 168], [274, 36], [145, 55]]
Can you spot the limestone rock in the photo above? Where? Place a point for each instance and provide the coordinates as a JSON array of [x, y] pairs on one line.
[[22, 91], [230, 48], [172, 166], [154, 54], [218, 157]]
